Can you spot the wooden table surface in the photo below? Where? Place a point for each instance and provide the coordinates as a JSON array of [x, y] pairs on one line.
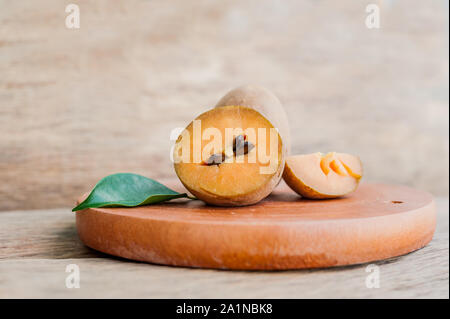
[[37, 245], [79, 104]]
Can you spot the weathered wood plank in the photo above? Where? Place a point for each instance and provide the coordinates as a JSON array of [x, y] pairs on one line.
[[423, 274], [76, 105], [36, 247], [41, 234]]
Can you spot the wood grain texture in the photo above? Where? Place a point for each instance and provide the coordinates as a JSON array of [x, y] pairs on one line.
[[36, 247], [77, 105], [283, 231]]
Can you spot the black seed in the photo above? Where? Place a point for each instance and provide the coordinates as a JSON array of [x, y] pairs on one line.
[[240, 146], [238, 142], [248, 147], [215, 159]]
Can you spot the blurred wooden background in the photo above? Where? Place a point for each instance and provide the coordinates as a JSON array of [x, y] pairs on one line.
[[76, 105]]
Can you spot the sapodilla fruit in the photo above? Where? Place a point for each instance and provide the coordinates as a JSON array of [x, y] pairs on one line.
[[229, 156], [319, 176]]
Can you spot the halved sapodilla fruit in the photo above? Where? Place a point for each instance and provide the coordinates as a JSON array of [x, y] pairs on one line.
[[319, 176], [229, 156]]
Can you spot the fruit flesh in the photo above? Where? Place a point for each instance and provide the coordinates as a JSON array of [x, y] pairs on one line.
[[236, 181], [321, 176]]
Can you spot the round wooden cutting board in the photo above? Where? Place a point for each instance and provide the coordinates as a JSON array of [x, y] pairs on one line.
[[282, 232]]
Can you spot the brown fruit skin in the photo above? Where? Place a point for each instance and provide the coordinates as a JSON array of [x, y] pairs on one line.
[[299, 187], [266, 103]]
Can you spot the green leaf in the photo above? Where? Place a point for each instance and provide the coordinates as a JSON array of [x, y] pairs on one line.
[[127, 190]]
